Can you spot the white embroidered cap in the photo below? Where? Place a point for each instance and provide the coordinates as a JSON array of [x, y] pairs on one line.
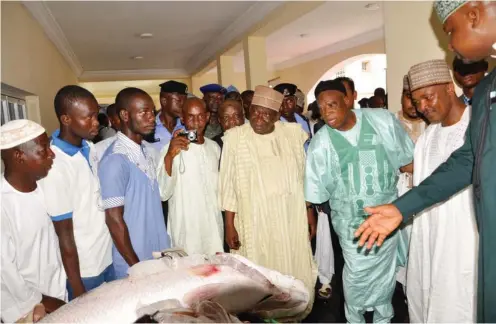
[[17, 132]]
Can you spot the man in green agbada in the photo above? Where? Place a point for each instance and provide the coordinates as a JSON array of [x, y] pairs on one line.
[[352, 163], [471, 26]]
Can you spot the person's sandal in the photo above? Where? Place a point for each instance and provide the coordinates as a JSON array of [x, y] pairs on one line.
[[325, 293]]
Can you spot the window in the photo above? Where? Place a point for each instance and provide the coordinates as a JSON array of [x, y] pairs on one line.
[[340, 74], [12, 108], [366, 66]]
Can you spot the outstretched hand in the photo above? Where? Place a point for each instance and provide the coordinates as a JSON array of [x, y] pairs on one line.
[[382, 221]]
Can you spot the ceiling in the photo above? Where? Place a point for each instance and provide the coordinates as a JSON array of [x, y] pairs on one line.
[[331, 23], [108, 40], [188, 34]]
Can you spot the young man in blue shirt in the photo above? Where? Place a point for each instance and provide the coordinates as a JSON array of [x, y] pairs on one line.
[[130, 191]]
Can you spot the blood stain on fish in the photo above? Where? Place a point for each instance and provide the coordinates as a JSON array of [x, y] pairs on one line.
[[205, 270]]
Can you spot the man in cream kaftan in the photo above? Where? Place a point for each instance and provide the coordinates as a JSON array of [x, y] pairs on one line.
[[195, 219], [262, 182]]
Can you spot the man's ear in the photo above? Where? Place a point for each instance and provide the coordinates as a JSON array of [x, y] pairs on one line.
[[19, 156], [354, 95], [473, 15], [124, 115], [346, 100], [65, 120], [450, 88], [163, 100]]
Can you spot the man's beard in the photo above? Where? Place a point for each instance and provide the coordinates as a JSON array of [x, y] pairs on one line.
[[150, 138]]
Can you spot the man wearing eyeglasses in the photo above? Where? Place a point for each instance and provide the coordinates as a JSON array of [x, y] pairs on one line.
[[352, 163]]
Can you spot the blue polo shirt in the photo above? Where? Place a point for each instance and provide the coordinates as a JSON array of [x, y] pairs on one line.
[[72, 191]]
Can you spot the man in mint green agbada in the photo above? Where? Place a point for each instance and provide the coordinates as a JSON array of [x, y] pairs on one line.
[[352, 163], [471, 26]]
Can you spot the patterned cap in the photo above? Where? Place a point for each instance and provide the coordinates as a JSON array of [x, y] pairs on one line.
[[445, 8], [406, 83], [429, 73], [267, 97], [17, 132]]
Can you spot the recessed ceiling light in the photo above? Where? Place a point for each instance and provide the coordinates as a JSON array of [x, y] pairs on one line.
[[137, 57], [146, 35], [372, 6]]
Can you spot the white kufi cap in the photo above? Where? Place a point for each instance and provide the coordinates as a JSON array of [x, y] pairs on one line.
[[17, 132]]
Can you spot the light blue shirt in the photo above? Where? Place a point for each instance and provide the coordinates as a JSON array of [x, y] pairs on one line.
[[304, 125], [128, 178], [163, 134]]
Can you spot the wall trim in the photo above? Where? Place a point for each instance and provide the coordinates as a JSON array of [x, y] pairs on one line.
[[88, 76], [361, 39], [43, 15], [255, 14]]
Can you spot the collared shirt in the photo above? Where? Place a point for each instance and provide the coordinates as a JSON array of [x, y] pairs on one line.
[[212, 130], [102, 146], [72, 190], [162, 133], [466, 100], [304, 125], [128, 178], [31, 262]]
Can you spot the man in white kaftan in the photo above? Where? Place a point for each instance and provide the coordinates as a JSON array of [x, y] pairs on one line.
[[414, 125], [31, 265], [195, 220], [441, 274], [261, 190]]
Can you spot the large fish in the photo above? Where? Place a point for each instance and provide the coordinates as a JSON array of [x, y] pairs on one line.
[[236, 284]]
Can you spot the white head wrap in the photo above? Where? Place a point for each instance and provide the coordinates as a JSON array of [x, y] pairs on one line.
[[17, 132]]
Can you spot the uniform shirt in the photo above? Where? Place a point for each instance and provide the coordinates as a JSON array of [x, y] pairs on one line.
[[163, 134], [31, 262], [72, 191]]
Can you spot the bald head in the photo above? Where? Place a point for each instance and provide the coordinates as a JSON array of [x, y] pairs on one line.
[[231, 114], [195, 115], [194, 102]]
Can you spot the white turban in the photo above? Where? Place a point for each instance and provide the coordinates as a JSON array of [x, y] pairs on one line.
[[17, 132]]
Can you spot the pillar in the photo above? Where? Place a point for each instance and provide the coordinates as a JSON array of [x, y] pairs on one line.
[[255, 62], [225, 70], [413, 35]]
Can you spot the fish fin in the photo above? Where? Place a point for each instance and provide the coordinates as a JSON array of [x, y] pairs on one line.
[[142, 310]]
